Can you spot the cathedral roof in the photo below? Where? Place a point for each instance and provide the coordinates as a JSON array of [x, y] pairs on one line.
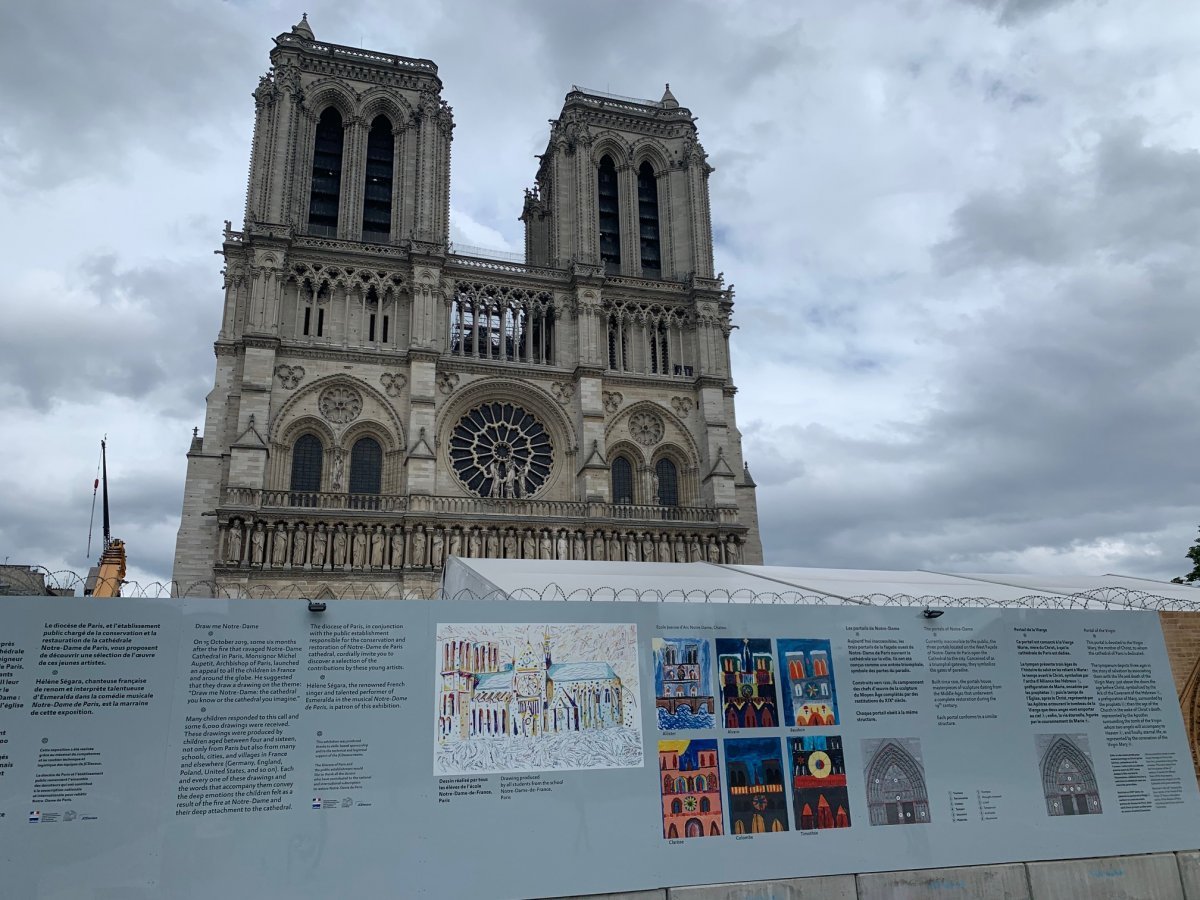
[[495, 681], [582, 671]]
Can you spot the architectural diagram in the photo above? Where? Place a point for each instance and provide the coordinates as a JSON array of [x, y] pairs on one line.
[[895, 781], [1068, 776]]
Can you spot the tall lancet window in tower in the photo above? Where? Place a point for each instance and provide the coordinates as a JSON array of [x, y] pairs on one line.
[[306, 470], [366, 473], [610, 217], [622, 480], [648, 221], [668, 482], [377, 197], [326, 175]]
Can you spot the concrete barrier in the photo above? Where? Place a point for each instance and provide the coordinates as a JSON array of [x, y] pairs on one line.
[[1189, 873], [1152, 877], [827, 887], [633, 895], [1005, 882]]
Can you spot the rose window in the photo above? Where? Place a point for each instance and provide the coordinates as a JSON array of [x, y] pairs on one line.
[[499, 450], [646, 428], [340, 404]]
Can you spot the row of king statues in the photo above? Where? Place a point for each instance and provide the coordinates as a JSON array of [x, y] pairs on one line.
[[342, 546]]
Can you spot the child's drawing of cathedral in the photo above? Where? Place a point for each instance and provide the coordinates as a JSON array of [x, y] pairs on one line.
[[534, 697]]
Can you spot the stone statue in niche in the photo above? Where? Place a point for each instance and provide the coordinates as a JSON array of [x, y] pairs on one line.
[[598, 546], [397, 542], [510, 544], [418, 544], [561, 549], [258, 544], [320, 542], [664, 548], [578, 546], [528, 545], [733, 552], [279, 546], [631, 553], [299, 544], [474, 545], [339, 468], [339, 546], [493, 544], [455, 543], [378, 547], [680, 550], [545, 547], [695, 554], [437, 548], [647, 547], [233, 543], [714, 551], [358, 548], [615, 549]]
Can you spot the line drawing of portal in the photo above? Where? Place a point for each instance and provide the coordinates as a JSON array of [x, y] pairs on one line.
[[533, 697], [895, 778], [1068, 776]]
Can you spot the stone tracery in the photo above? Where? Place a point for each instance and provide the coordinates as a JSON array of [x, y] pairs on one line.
[[500, 450]]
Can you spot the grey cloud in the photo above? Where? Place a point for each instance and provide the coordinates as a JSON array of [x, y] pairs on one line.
[[85, 84], [148, 336], [1132, 199], [1012, 12]]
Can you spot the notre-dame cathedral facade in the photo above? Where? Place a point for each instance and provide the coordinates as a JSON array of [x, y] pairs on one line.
[[382, 401]]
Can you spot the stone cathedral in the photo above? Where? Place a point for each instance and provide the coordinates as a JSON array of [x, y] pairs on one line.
[[383, 401]]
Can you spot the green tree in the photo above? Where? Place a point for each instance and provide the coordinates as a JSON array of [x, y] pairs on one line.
[[1193, 576]]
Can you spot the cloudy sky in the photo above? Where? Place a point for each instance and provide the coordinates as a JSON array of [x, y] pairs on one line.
[[962, 233]]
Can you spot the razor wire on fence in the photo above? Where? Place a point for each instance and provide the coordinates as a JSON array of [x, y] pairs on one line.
[[33, 580]]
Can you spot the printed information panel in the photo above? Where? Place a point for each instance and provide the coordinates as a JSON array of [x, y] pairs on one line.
[[204, 748]]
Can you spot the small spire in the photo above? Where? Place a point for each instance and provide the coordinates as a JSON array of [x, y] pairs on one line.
[[303, 29], [668, 99]]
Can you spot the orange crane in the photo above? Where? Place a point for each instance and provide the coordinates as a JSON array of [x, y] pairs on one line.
[[105, 579]]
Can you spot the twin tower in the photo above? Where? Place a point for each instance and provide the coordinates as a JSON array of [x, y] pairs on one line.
[[383, 401]]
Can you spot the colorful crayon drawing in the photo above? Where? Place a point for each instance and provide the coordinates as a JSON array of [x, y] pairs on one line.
[[1068, 777], [820, 797], [691, 788], [747, 674], [895, 779], [682, 683], [754, 774], [528, 698], [809, 694]]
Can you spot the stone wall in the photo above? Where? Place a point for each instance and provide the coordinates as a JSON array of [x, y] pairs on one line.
[[1154, 876]]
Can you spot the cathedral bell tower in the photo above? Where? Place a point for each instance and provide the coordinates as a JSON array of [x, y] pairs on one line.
[[382, 402]]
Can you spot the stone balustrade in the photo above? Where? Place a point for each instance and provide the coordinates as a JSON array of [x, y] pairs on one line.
[[554, 511]]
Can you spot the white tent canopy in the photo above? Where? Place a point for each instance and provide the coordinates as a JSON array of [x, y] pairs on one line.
[[521, 579]]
